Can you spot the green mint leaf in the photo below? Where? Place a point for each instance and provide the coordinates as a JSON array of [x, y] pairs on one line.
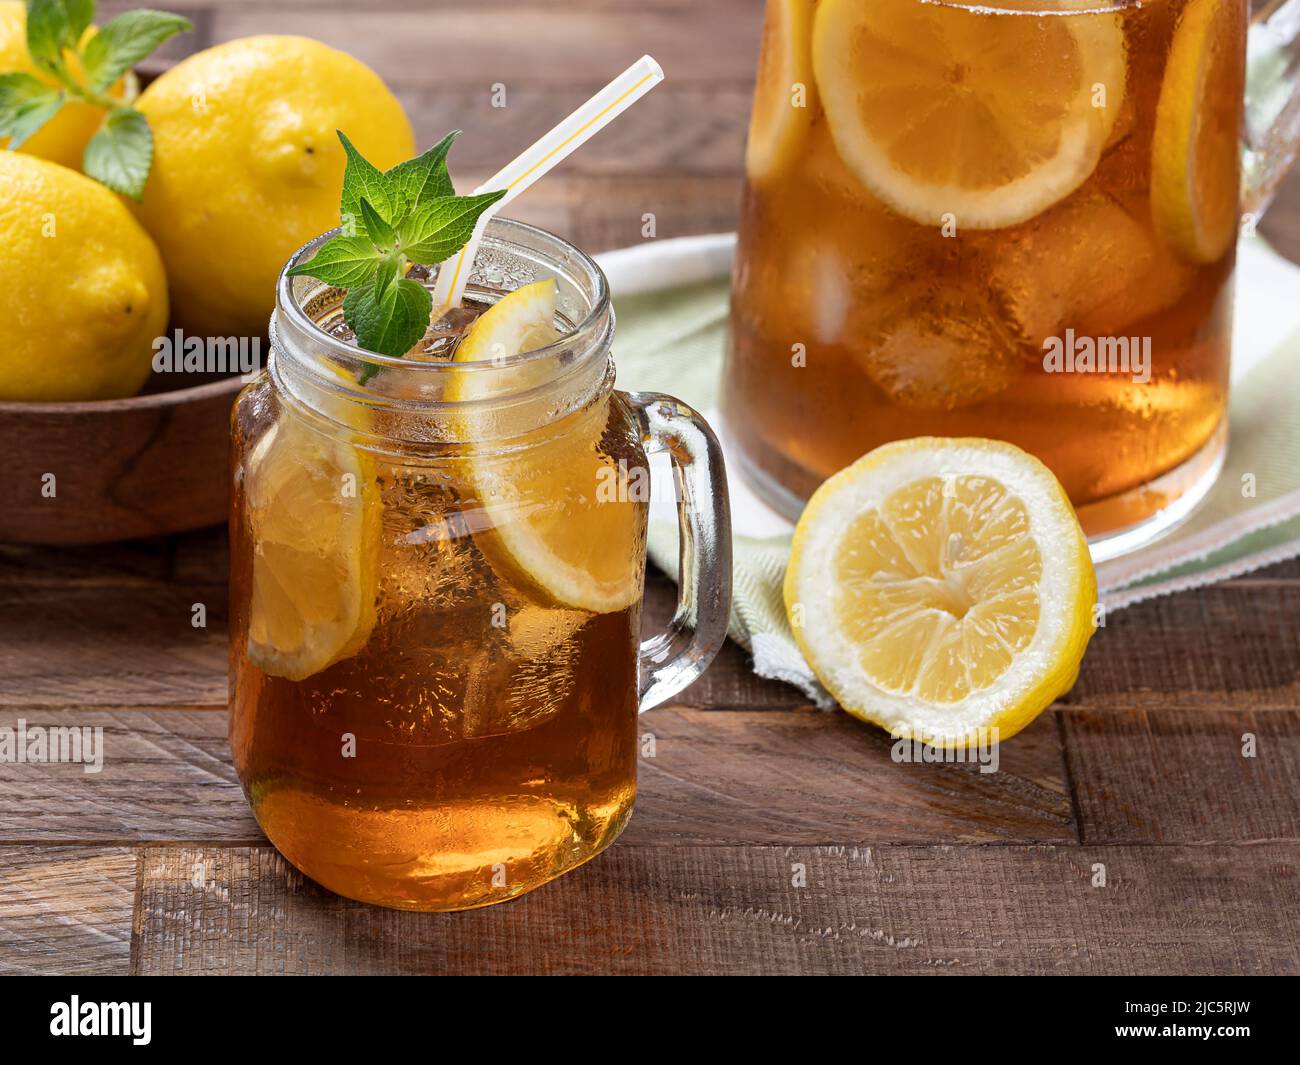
[[363, 179], [390, 325], [443, 226], [126, 40], [26, 104], [343, 261], [80, 14], [49, 31], [425, 177], [377, 229], [120, 154], [390, 270]]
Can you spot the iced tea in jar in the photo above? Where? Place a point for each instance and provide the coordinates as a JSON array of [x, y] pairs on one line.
[[1014, 219], [436, 578]]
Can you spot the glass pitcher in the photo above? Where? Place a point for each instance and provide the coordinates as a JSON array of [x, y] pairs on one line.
[[1013, 219]]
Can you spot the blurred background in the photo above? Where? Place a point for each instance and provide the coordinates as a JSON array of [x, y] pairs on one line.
[[678, 155]]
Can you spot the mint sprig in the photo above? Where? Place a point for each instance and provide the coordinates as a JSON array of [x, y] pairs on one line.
[[120, 153], [392, 220]]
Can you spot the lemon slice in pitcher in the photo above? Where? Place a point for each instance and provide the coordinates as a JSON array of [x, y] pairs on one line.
[[942, 110], [942, 586], [1195, 165], [558, 515], [784, 96], [314, 518]]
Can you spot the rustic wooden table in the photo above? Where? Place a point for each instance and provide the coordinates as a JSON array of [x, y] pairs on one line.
[[909, 869]]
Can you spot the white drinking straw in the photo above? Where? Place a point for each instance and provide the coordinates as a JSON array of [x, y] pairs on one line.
[[543, 156]]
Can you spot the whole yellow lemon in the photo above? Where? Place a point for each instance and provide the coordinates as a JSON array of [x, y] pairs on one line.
[[63, 138], [248, 167], [84, 289]]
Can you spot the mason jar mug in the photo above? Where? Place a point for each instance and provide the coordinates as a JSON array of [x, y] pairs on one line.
[[436, 582]]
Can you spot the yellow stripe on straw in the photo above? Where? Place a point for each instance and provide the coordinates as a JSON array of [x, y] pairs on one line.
[[543, 156]]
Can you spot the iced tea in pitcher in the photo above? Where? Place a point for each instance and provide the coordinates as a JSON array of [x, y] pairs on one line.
[[1012, 220], [436, 576]]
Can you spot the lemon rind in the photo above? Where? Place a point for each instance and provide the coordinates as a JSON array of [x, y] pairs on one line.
[[507, 541], [1087, 133], [1067, 591], [772, 148]]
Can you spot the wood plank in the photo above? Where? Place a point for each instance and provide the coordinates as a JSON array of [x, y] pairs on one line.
[[1213, 648], [708, 779], [66, 910], [201, 557], [127, 644], [725, 910], [463, 44], [165, 776], [679, 129], [1182, 776], [1230, 646], [811, 777], [614, 208], [143, 561], [130, 644]]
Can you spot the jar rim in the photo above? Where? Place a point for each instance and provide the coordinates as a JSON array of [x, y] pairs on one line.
[[499, 231]]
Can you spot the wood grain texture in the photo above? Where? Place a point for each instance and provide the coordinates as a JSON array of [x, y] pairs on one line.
[[1212, 648], [678, 130], [724, 910], [32, 565], [909, 869], [681, 206], [122, 641], [112, 644], [121, 469], [1234, 645], [556, 44], [66, 910], [1172, 776], [705, 779], [165, 776], [814, 777]]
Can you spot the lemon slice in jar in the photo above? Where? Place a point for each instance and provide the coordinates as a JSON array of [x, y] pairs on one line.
[[942, 586], [784, 97], [1195, 167], [557, 510], [941, 110], [314, 516]]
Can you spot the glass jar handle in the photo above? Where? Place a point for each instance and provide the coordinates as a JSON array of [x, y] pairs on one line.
[[1272, 128], [675, 657]]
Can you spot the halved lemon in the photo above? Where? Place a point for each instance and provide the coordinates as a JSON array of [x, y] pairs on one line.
[[559, 514], [314, 518], [785, 95], [945, 110], [939, 587], [1195, 165]]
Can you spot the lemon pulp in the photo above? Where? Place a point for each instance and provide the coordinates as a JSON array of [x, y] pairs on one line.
[[314, 516], [785, 93], [559, 513], [942, 586], [951, 112], [1195, 167]]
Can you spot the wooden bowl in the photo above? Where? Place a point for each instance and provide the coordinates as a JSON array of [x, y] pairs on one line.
[[150, 465]]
